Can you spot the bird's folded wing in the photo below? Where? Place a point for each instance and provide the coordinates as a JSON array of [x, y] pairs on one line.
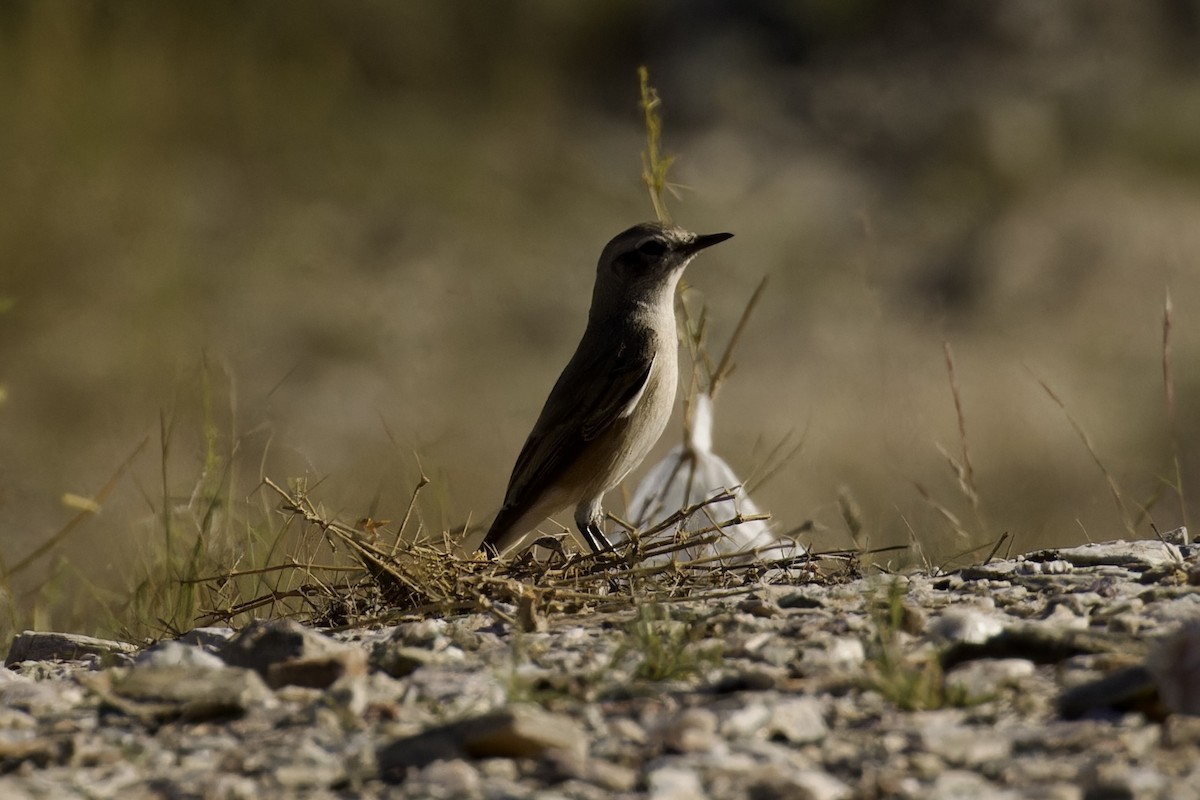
[[586, 401]]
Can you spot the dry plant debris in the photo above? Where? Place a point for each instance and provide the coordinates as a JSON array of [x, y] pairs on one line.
[[415, 576]]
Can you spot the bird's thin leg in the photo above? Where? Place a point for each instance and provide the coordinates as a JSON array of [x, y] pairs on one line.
[[595, 538], [587, 519]]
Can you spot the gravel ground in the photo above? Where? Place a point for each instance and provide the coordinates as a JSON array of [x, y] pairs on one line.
[[1058, 674]]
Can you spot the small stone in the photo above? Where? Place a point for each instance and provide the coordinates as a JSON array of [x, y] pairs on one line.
[[49, 646], [400, 660], [842, 654], [1175, 664], [1137, 555], [962, 745], [309, 766], [318, 671], [40, 698], [454, 778], [798, 720], [174, 653], [265, 642], [398, 758], [750, 677], [14, 719], [993, 571], [504, 769], [428, 633], [8, 676], [985, 678], [610, 776], [1177, 536], [189, 692], [520, 731], [1055, 566], [627, 729], [1180, 730], [1127, 623], [1109, 694], [32, 751], [210, 638], [693, 730], [801, 599], [957, 784], [758, 607], [846, 652], [913, 619], [349, 697], [752, 645], [965, 625], [778, 654], [811, 784], [596, 771], [1112, 778], [746, 721], [674, 783], [516, 731]]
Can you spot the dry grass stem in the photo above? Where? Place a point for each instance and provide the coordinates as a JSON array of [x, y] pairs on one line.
[[725, 364], [654, 164], [1113, 488], [945, 513], [963, 469], [422, 482], [776, 460], [96, 501], [1168, 373]]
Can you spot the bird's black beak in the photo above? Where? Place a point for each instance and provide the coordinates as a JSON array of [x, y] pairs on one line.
[[706, 240]]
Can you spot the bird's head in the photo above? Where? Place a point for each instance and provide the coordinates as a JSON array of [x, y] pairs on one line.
[[642, 265]]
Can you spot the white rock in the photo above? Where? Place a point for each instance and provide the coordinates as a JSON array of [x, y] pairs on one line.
[[816, 785], [965, 625], [981, 679], [171, 652], [693, 730], [963, 745], [674, 783], [798, 720], [746, 721]]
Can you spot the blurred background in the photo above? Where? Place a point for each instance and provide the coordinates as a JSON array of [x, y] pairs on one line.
[[330, 240]]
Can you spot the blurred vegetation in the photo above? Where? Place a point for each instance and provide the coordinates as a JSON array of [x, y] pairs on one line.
[[325, 239]]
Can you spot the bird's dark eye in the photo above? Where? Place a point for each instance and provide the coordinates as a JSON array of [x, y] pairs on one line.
[[652, 248]]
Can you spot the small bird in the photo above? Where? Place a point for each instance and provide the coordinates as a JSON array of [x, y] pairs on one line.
[[615, 395]]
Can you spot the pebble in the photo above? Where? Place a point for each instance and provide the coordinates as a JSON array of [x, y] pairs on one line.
[[674, 783], [978, 680], [960, 744], [51, 646], [965, 625], [174, 653], [693, 730], [797, 720], [450, 779]]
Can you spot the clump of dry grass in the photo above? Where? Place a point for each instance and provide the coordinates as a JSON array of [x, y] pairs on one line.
[[393, 574]]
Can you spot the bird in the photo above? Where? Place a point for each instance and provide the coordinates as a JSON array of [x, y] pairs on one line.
[[614, 397]]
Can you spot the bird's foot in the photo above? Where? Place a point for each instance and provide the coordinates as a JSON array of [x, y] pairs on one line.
[[595, 538]]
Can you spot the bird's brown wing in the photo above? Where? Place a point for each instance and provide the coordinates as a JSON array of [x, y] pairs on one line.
[[593, 392]]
